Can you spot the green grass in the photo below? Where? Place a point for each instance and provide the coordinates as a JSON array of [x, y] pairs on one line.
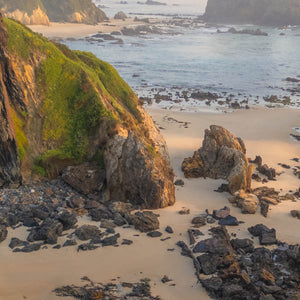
[[78, 91]]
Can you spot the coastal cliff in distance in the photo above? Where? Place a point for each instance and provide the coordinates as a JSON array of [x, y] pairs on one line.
[[42, 12], [63, 109], [258, 12]]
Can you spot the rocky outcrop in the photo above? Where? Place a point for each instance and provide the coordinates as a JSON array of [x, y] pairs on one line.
[[9, 160], [41, 12], [222, 155], [38, 16], [267, 12], [101, 139]]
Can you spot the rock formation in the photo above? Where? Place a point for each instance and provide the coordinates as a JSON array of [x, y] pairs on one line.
[[222, 155], [41, 12], [63, 108], [259, 12]]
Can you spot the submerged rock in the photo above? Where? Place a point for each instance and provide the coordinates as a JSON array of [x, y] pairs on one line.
[[222, 155]]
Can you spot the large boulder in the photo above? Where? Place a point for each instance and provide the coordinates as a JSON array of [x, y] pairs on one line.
[[222, 155], [86, 178]]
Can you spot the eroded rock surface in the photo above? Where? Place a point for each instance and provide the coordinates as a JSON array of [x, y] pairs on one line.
[[222, 155]]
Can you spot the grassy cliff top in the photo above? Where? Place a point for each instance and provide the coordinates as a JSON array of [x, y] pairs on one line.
[[27, 6], [77, 92]]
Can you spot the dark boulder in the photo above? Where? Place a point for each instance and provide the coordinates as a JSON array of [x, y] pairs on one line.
[[145, 221], [86, 232]]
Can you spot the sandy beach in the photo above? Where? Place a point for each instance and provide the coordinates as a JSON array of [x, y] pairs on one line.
[[76, 30], [264, 131]]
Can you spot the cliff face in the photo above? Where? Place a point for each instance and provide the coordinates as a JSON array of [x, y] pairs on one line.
[[260, 12], [62, 108], [41, 12]]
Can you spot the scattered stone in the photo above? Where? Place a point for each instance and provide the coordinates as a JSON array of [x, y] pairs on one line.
[[68, 220], [111, 240], [264, 208], [86, 247], [208, 263], [70, 242], [210, 220], [184, 211], [179, 182], [169, 229], [269, 172], [56, 247], [145, 221], [199, 221], [14, 242], [229, 221], [86, 232], [256, 177], [257, 160], [154, 234], [29, 248], [245, 244], [165, 279], [126, 242], [266, 236], [248, 203], [3, 233], [295, 213], [221, 213]]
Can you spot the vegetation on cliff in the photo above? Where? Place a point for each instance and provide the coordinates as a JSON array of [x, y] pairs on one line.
[[41, 11], [260, 12], [69, 107]]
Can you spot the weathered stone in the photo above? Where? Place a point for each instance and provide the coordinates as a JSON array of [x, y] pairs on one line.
[[208, 263], [169, 229], [14, 242], [67, 219], [119, 220], [3, 233], [85, 178], [248, 203], [268, 237], [86, 247], [154, 234], [221, 213], [199, 221], [257, 229], [120, 15], [184, 211], [231, 290], [86, 232], [71, 242], [145, 221], [127, 242], [48, 231], [245, 244], [212, 284], [111, 240], [222, 155], [179, 182], [267, 277], [269, 172], [264, 208], [29, 248], [127, 158], [229, 221], [212, 245], [295, 213]]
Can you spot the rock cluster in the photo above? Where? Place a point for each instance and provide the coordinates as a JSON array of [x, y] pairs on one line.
[[235, 269], [222, 155]]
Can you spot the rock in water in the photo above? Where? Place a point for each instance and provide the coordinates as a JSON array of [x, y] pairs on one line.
[[222, 155]]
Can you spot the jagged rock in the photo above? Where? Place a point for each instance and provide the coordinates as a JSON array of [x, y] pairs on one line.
[[212, 245], [266, 236], [67, 219], [107, 224], [71, 242], [3, 233], [165, 279], [111, 240], [264, 208], [120, 15], [169, 229], [212, 284], [199, 221], [245, 244], [86, 232], [229, 221], [179, 182], [184, 211], [221, 213], [267, 193], [248, 203], [48, 231], [154, 234], [222, 155], [14, 242], [85, 178], [269, 172], [208, 263], [145, 221], [86, 247], [119, 220], [100, 213], [295, 213], [127, 158], [257, 160], [29, 248]]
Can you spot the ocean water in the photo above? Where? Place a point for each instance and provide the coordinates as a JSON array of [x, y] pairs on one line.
[[201, 59]]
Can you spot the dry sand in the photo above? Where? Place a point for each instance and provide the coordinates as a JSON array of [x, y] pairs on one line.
[[75, 30], [265, 132]]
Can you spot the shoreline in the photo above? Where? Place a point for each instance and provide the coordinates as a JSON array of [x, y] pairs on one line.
[[79, 30]]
